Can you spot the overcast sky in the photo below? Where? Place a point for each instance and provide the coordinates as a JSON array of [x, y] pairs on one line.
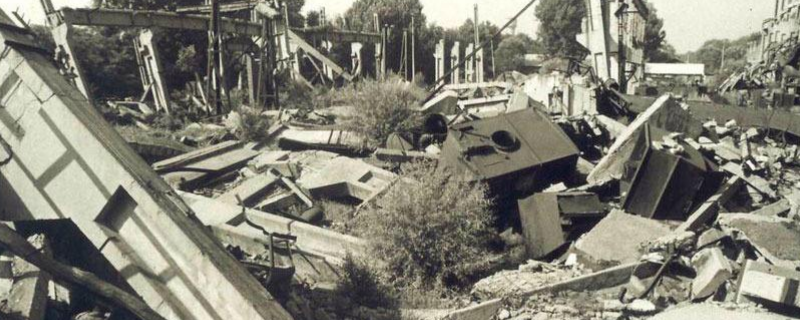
[[688, 23]]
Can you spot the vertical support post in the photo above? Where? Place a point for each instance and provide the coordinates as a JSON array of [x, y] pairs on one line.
[[455, 59], [151, 69], [622, 63], [469, 72], [479, 55], [328, 45], [355, 56], [379, 48], [439, 57], [404, 56], [413, 48]]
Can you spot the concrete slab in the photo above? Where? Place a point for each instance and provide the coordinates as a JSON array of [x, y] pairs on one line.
[[777, 238], [346, 177], [250, 190], [541, 224], [68, 163], [618, 236]]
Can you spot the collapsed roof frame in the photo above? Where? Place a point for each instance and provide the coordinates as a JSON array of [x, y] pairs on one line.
[[286, 42]]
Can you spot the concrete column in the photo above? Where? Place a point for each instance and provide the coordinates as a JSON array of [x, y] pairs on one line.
[[439, 57], [469, 72], [65, 59], [479, 71], [151, 68], [327, 69], [455, 59], [379, 65], [355, 56]]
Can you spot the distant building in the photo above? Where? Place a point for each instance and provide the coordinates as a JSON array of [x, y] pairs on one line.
[[601, 33], [674, 70], [782, 27]]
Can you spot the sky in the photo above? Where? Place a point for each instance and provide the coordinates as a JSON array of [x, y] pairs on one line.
[[688, 23]]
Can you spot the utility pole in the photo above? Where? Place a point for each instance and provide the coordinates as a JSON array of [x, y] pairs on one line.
[[623, 63], [477, 44], [722, 59]]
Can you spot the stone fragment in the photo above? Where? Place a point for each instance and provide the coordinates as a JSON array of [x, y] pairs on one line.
[[713, 269]]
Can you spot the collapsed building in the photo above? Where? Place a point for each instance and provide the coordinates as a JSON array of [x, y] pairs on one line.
[[624, 205]]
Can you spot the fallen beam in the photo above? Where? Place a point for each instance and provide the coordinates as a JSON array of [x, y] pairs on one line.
[[711, 207], [61, 160], [17, 245], [28, 296], [310, 50]]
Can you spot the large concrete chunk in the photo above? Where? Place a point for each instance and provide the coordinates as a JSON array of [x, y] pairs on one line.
[[618, 236], [541, 224], [767, 283], [713, 269], [68, 163]]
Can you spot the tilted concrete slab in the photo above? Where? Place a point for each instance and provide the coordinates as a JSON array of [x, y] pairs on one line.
[[317, 254], [62, 160], [342, 177]]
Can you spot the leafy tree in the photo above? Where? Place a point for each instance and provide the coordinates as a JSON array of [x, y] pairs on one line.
[[510, 53], [711, 53], [397, 14], [655, 38], [560, 24]]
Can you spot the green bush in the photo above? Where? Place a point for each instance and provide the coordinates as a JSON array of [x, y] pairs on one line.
[[381, 107], [431, 229]]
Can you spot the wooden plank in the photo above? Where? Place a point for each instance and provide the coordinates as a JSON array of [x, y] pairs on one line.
[[249, 190], [14, 243]]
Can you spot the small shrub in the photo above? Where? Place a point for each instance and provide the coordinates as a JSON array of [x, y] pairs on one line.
[[432, 229], [361, 286], [249, 124], [382, 107]]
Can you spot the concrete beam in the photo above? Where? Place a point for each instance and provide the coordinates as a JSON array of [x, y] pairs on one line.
[[152, 19], [68, 163], [150, 68], [310, 50], [28, 296], [338, 36]]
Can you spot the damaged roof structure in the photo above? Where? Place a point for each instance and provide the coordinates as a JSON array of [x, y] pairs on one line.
[[606, 205]]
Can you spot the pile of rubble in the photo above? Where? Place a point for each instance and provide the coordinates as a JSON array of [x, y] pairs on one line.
[[629, 209]]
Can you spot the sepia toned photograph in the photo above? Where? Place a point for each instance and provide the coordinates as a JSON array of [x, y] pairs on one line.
[[399, 159]]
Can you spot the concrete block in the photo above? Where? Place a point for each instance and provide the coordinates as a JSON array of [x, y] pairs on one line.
[[764, 282], [713, 269], [618, 236]]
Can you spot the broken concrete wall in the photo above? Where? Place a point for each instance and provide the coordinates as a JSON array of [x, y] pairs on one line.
[[64, 161]]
